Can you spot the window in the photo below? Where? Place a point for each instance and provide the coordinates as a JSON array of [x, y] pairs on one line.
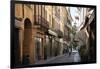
[[37, 10], [53, 22], [45, 14], [50, 18], [43, 11], [40, 10]]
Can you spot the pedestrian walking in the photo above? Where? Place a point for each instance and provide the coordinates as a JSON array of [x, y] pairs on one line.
[[69, 52]]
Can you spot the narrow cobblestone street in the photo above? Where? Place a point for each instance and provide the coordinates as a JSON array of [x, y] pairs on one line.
[[66, 58], [49, 34], [74, 57]]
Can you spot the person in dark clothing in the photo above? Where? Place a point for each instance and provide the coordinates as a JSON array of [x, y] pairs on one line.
[[69, 52], [26, 60]]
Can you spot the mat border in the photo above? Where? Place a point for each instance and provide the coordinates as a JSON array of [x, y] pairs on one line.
[[12, 14]]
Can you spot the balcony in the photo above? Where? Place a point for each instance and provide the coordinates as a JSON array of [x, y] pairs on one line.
[[42, 22]]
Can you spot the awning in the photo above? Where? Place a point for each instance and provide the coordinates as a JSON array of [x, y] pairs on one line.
[[91, 17], [52, 32], [88, 20]]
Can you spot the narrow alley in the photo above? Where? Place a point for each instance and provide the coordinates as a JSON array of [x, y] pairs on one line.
[[65, 58]]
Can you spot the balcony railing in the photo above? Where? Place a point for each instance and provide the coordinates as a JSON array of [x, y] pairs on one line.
[[39, 20]]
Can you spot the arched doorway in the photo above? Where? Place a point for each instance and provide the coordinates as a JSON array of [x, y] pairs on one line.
[[27, 40]]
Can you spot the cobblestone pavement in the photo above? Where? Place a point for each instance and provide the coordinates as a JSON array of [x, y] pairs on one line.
[[66, 58], [74, 57]]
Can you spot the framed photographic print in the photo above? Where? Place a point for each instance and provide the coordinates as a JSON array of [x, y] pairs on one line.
[[50, 34]]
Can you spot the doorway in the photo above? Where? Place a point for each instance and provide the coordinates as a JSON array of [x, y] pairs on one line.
[[27, 39], [38, 48]]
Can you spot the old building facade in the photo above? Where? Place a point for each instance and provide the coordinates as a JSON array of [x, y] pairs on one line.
[[40, 32], [32, 31]]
